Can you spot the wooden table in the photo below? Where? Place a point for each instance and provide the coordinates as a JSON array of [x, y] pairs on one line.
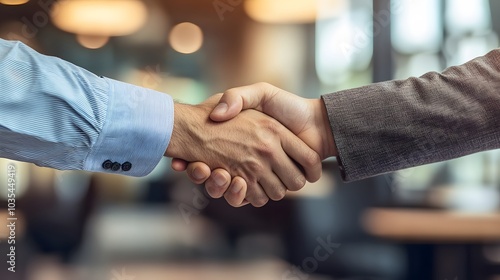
[[432, 225], [439, 244]]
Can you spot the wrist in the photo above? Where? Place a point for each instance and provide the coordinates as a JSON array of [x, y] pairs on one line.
[[329, 148], [184, 139]]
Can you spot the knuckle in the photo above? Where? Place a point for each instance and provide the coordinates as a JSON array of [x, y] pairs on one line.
[[266, 149], [271, 125], [254, 169]]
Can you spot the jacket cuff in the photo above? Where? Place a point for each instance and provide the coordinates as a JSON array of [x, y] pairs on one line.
[[327, 102]]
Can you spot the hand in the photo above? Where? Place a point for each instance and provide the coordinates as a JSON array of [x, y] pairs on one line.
[[307, 118], [252, 146]]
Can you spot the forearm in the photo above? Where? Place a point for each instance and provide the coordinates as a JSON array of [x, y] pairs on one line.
[[399, 124], [58, 115]]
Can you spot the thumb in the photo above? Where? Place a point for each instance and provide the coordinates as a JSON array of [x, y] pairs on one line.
[[237, 99], [230, 105]]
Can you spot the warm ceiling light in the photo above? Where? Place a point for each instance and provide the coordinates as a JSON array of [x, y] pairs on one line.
[[282, 11], [92, 42], [14, 2], [186, 37], [99, 17]]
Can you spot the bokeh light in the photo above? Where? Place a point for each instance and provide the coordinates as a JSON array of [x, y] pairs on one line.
[[14, 2], [103, 18], [92, 42], [186, 38], [282, 11]]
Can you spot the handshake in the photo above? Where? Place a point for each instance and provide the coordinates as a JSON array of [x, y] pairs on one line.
[[252, 143]]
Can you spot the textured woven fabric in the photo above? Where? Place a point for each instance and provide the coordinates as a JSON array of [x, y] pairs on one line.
[[394, 125]]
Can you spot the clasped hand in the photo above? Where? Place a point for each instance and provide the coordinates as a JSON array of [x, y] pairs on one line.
[[259, 154]]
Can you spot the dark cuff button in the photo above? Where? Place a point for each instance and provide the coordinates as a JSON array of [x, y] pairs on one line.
[[116, 166], [107, 164], [126, 166]]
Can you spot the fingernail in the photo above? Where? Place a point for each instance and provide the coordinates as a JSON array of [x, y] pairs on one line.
[[236, 189], [219, 180], [198, 174], [221, 108]]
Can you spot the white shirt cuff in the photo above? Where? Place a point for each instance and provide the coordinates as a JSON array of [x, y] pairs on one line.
[[136, 132]]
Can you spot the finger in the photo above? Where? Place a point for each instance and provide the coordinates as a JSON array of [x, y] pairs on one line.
[[218, 183], [303, 155], [274, 188], [198, 172], [256, 195], [244, 203], [284, 165], [237, 99], [179, 164], [235, 194]]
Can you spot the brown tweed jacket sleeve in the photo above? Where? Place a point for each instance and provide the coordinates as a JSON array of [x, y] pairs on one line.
[[394, 125]]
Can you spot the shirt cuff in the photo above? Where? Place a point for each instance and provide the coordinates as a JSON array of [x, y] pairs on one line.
[[136, 133]]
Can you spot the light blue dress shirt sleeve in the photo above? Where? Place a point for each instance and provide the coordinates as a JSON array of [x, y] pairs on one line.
[[58, 115]]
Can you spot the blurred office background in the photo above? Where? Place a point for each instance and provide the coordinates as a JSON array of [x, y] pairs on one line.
[[439, 221]]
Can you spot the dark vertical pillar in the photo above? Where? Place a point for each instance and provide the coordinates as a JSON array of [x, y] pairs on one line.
[[383, 65], [441, 53]]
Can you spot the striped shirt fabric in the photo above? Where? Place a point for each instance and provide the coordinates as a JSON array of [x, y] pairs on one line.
[[58, 115]]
